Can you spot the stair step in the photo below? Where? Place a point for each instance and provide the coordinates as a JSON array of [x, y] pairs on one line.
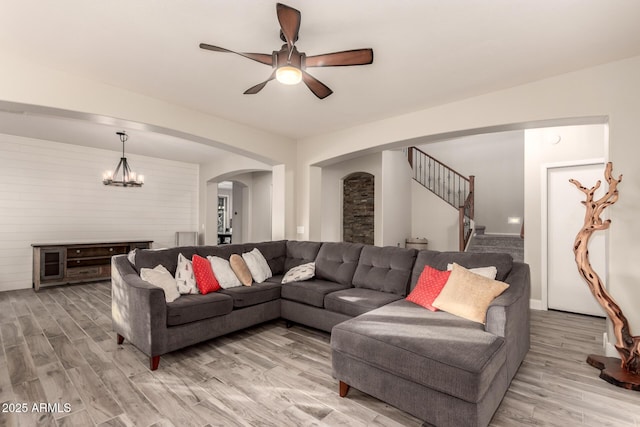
[[479, 230]]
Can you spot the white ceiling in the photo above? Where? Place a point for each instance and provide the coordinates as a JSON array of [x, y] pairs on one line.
[[426, 52]]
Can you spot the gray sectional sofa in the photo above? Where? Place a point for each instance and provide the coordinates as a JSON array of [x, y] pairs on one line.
[[441, 368]]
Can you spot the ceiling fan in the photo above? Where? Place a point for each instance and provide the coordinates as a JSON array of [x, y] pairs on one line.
[[289, 65]]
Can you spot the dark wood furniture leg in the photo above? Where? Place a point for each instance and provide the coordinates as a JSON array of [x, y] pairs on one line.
[[154, 361], [344, 389], [120, 338]]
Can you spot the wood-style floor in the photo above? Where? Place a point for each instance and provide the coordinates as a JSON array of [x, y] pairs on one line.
[[57, 348]]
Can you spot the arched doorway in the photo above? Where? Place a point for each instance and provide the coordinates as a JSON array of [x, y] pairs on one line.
[[358, 197]]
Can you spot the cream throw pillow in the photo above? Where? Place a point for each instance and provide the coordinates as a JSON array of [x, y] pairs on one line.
[[240, 268], [468, 295], [489, 272], [223, 272], [160, 277], [258, 265]]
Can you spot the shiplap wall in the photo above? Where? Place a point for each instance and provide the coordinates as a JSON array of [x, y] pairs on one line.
[[53, 192]]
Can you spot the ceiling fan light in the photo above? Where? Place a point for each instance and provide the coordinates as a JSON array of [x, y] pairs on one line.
[[289, 75]]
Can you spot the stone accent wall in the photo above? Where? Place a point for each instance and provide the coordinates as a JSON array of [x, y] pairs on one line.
[[358, 208]]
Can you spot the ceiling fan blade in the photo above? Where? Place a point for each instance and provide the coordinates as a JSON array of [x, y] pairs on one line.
[[318, 88], [289, 19], [257, 88], [263, 58], [337, 59]]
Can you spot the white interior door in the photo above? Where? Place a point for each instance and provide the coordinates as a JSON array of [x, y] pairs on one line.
[[566, 289]]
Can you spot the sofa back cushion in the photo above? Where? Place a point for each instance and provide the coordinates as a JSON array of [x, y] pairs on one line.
[[299, 253], [150, 258], [439, 260], [273, 252], [337, 261], [386, 269]]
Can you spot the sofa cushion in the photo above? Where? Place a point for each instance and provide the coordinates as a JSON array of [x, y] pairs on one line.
[[190, 308], [273, 252], [386, 269], [439, 260], [356, 301], [438, 350], [311, 292], [337, 262], [245, 296], [299, 253]]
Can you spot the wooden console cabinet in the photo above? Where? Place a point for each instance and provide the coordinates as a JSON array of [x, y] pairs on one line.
[[64, 263]]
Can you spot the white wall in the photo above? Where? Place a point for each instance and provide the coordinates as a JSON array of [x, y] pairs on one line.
[[577, 142], [331, 195], [261, 207], [395, 198], [53, 192], [433, 219], [497, 162]]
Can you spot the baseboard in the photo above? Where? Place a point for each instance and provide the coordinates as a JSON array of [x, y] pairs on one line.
[[610, 350], [535, 304]]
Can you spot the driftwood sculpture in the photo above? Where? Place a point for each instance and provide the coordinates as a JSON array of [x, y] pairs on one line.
[[623, 372]]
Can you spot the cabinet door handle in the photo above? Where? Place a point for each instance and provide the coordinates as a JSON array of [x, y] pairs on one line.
[[110, 249], [77, 261], [77, 251]]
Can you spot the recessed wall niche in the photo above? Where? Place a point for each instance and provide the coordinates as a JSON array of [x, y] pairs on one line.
[[358, 208]]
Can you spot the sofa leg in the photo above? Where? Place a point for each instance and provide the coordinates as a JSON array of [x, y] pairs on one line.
[[154, 361], [289, 324], [120, 339], [344, 389]]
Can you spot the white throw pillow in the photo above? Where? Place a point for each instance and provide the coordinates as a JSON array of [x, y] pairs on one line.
[[258, 265], [300, 273], [223, 272], [184, 276], [160, 277], [488, 272]]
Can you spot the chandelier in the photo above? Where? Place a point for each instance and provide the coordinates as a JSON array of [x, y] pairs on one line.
[[128, 177]]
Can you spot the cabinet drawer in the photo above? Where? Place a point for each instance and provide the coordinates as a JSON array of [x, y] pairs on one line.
[[84, 272], [87, 262], [80, 252]]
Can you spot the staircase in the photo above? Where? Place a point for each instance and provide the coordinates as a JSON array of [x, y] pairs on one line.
[[451, 186], [483, 243]]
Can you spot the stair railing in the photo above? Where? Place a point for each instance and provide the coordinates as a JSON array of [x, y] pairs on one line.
[[451, 186]]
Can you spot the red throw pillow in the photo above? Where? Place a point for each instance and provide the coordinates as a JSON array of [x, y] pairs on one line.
[[429, 285], [205, 279]]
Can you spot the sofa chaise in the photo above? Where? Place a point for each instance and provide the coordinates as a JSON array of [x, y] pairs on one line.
[[441, 368]]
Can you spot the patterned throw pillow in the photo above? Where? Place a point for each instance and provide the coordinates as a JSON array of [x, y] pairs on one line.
[[258, 265], [185, 277], [223, 272], [240, 268], [160, 277], [300, 273], [205, 279], [429, 286]]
